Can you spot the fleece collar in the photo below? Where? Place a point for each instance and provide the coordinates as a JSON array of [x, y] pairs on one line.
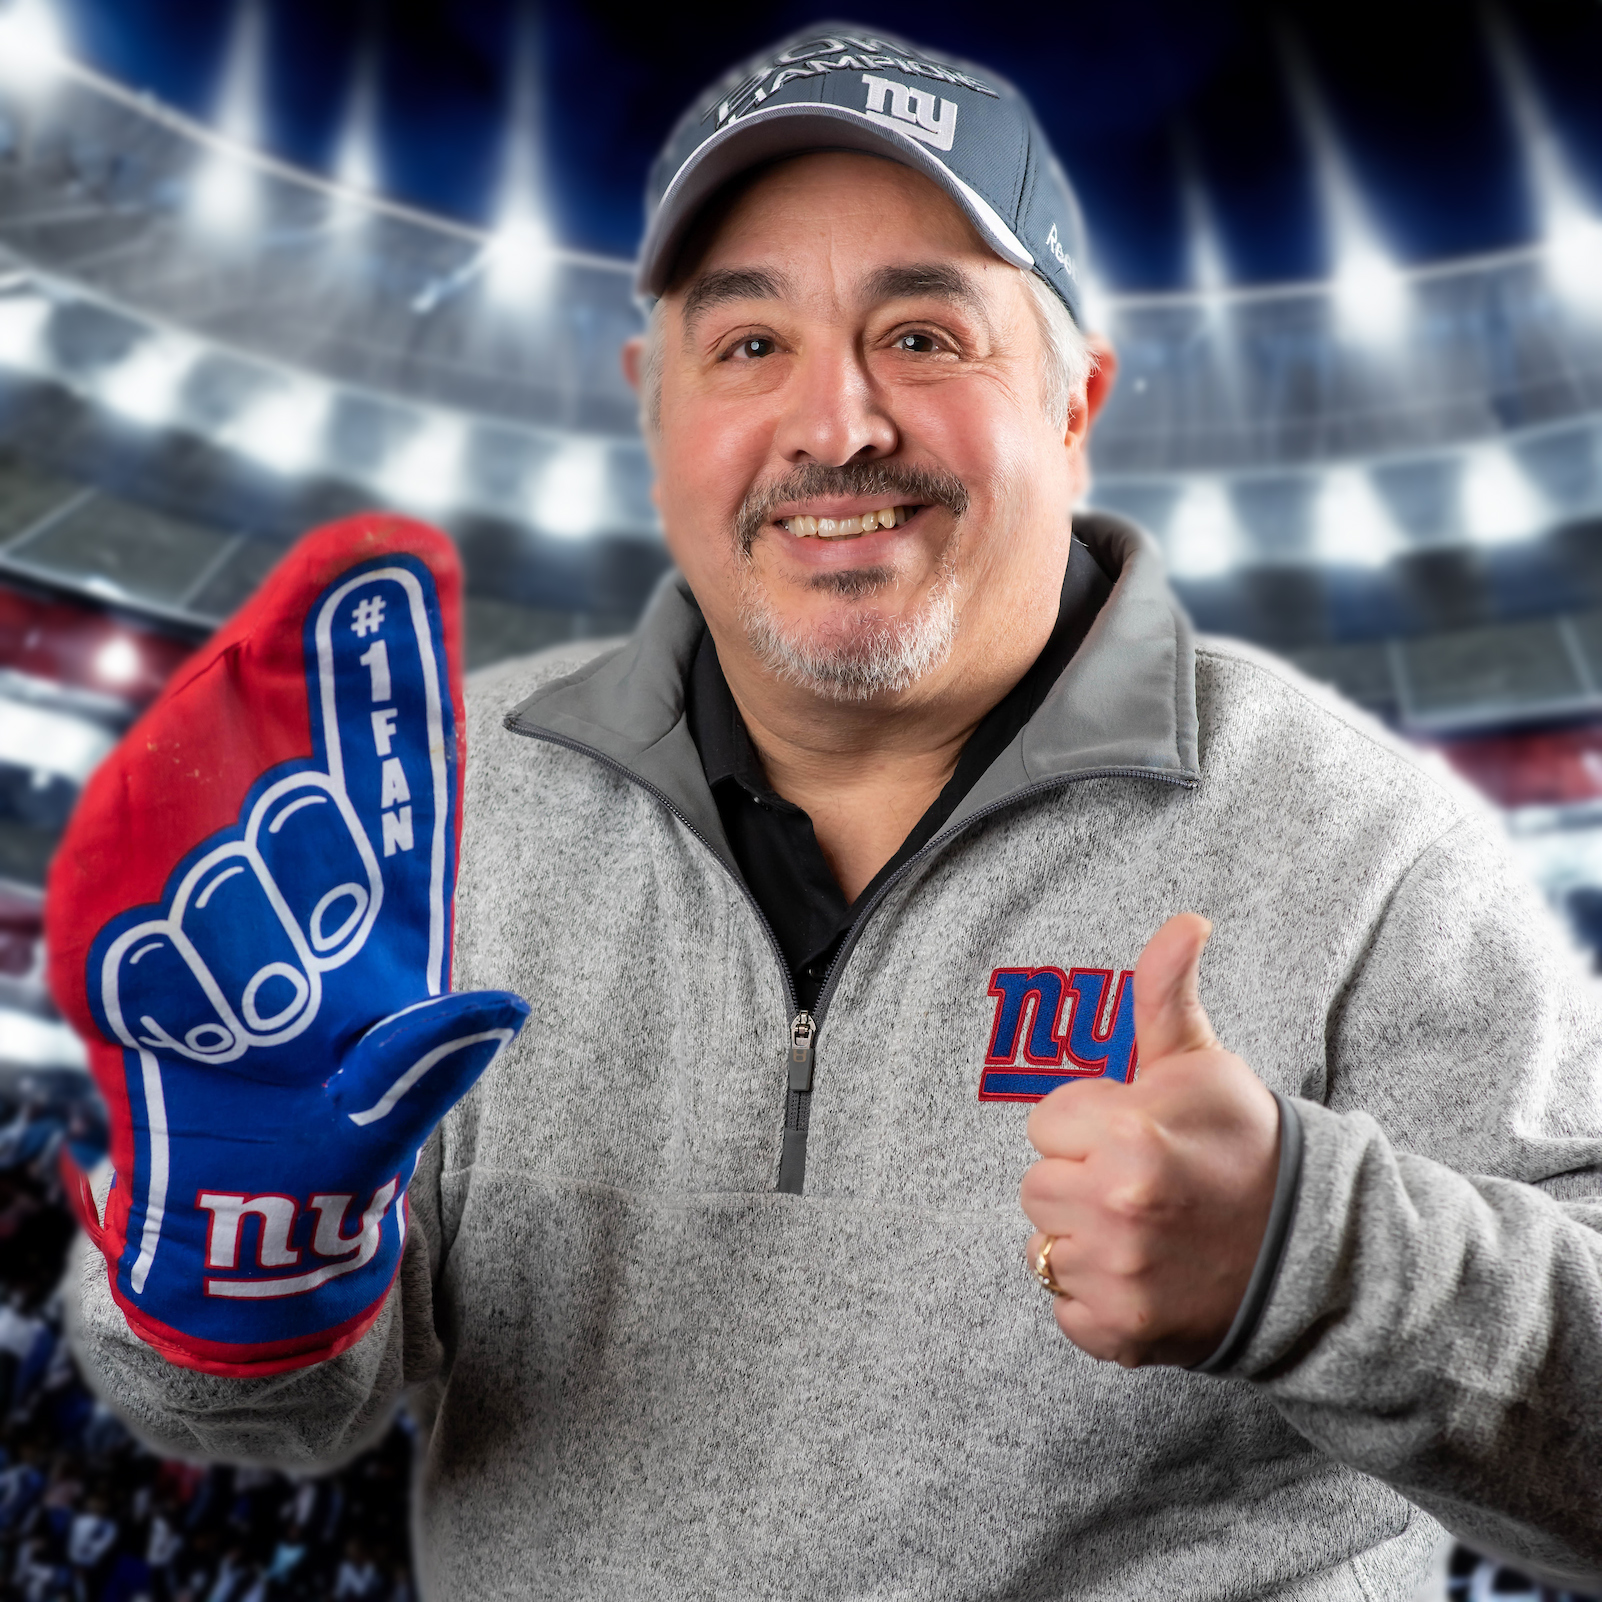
[[1125, 704]]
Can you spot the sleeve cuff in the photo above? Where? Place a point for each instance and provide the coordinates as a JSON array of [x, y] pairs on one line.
[[1287, 1182]]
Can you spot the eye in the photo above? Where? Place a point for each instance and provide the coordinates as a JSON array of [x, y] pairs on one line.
[[918, 344], [750, 349]]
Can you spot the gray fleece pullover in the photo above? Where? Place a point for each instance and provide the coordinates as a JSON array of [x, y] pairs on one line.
[[646, 1374]]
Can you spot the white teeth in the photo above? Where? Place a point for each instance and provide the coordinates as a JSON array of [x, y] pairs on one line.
[[842, 528]]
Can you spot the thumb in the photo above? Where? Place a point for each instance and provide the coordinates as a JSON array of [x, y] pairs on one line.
[[412, 1067], [1168, 1012]]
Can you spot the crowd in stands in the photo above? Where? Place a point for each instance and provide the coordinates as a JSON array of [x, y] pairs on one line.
[[88, 1515]]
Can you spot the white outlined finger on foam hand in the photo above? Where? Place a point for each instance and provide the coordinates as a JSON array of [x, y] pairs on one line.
[[231, 918], [156, 998], [320, 862]]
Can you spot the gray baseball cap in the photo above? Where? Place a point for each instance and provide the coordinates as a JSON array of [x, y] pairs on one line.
[[841, 87]]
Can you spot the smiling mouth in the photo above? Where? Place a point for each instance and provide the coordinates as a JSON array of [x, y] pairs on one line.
[[845, 528]]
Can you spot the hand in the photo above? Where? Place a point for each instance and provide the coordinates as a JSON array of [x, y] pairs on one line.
[[1156, 1194], [274, 1034]]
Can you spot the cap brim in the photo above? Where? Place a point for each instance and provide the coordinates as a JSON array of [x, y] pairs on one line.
[[790, 130]]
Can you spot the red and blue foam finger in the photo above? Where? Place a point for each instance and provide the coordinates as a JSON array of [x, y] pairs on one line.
[[250, 923]]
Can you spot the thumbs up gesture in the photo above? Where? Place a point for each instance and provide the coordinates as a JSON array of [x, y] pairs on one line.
[[1155, 1196]]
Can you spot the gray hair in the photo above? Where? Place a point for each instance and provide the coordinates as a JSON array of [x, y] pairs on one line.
[[1069, 360]]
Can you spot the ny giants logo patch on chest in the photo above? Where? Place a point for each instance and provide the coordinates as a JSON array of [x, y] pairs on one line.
[[1053, 1027]]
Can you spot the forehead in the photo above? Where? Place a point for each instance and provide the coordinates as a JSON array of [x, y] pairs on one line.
[[843, 205]]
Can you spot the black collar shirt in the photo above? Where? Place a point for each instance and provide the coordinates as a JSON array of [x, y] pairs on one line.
[[772, 839]]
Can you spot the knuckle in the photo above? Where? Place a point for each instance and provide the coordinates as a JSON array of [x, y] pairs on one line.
[[1047, 1182], [1136, 1133], [1138, 1198], [1047, 1121]]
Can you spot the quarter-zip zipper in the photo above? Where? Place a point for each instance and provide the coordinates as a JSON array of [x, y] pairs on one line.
[[797, 1105], [801, 1046]]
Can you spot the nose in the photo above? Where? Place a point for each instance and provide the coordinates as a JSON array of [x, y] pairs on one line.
[[833, 413]]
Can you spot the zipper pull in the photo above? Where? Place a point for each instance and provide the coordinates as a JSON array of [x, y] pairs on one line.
[[803, 1031]]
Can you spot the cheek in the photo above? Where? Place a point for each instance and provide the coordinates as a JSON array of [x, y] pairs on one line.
[[1018, 505], [707, 460], [990, 437]]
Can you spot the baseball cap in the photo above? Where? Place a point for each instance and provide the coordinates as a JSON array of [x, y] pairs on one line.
[[840, 87]]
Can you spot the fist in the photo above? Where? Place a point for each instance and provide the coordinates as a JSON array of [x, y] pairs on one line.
[[1156, 1195]]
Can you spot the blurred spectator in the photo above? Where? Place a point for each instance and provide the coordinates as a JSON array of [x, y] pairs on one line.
[[359, 1579], [87, 1515], [90, 1539]]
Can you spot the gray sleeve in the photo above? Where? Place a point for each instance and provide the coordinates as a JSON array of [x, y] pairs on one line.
[[309, 1417], [1436, 1318]]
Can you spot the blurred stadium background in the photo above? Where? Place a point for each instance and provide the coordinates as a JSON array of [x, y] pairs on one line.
[[262, 265]]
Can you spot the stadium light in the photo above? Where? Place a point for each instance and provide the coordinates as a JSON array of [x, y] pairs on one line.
[[424, 472], [1351, 525], [1499, 503], [356, 160], [570, 501], [52, 743], [1203, 536], [1208, 271], [145, 385], [31, 44], [117, 662], [283, 431], [1574, 254], [520, 258], [1370, 291], [223, 196], [23, 319], [1570, 228], [42, 1042]]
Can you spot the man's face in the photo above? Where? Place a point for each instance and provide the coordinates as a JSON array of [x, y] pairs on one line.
[[847, 345]]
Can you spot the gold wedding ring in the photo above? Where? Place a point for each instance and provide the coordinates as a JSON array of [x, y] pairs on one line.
[[1040, 1267]]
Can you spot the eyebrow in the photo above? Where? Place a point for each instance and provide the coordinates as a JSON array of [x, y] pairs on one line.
[[935, 280], [730, 283]]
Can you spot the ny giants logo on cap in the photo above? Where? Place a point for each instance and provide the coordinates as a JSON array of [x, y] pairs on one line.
[[1096, 1039], [919, 112], [817, 57]]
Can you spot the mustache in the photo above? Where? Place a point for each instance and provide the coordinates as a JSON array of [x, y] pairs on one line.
[[889, 483]]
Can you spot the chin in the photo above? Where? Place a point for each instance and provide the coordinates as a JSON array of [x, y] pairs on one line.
[[856, 653]]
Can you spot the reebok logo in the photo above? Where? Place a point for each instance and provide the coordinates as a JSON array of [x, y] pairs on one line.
[[919, 112], [1076, 1025], [1064, 260]]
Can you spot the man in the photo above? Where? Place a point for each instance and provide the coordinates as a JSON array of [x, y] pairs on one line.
[[824, 890]]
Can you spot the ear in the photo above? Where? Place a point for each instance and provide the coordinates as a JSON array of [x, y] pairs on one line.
[[1103, 375], [634, 361]]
